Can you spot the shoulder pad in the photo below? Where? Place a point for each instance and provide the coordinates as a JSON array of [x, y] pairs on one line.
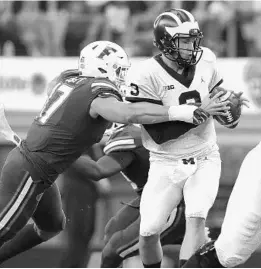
[[105, 88], [144, 68], [68, 73], [141, 70], [75, 81], [126, 137], [103, 83], [208, 55], [65, 76]]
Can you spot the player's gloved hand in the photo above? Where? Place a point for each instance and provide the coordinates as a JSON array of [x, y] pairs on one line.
[[200, 116], [214, 106]]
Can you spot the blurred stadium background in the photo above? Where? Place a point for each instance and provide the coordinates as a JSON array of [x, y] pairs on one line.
[[38, 39]]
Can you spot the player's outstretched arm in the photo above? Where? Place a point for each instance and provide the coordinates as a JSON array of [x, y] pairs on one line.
[[116, 111], [85, 167], [148, 113], [106, 166]]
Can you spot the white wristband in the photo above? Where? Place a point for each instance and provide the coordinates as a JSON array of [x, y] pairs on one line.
[[182, 113]]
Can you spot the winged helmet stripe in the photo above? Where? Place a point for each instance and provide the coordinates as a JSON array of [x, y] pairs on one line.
[[175, 17], [186, 14]]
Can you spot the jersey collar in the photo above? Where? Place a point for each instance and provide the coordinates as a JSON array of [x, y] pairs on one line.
[[184, 80]]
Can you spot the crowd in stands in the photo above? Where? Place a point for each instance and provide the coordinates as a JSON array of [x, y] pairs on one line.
[[62, 28]]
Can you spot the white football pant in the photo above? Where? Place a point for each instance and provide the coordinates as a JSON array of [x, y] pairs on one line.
[[241, 230], [169, 180]]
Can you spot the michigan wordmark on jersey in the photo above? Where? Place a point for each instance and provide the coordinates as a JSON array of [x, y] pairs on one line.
[[156, 82]]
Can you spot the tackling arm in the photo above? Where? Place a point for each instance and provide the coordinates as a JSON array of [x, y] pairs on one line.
[[106, 166], [143, 113], [147, 113]]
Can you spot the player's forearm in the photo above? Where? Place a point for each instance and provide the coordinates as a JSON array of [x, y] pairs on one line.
[[87, 168], [140, 112], [107, 171], [96, 151], [90, 169], [146, 113]]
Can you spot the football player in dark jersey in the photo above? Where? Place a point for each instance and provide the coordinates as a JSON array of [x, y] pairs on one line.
[[79, 198], [125, 153], [77, 112]]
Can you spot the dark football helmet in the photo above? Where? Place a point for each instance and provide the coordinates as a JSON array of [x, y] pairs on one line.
[[172, 25]]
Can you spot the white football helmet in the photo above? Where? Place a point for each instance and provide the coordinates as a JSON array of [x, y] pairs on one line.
[[104, 59]]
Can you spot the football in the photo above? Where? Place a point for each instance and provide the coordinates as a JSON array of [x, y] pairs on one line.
[[234, 112]]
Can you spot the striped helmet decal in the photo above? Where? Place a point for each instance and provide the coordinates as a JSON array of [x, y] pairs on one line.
[[170, 14], [184, 16]]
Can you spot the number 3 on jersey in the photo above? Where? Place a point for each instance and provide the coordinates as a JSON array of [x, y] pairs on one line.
[[55, 100]]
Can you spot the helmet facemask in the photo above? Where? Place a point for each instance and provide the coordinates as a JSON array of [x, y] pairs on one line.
[[173, 51], [117, 72]]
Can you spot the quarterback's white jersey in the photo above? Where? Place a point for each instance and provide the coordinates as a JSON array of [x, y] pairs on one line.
[[158, 83]]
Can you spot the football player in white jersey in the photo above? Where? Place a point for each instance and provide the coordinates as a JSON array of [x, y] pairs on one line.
[[184, 156], [241, 229]]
